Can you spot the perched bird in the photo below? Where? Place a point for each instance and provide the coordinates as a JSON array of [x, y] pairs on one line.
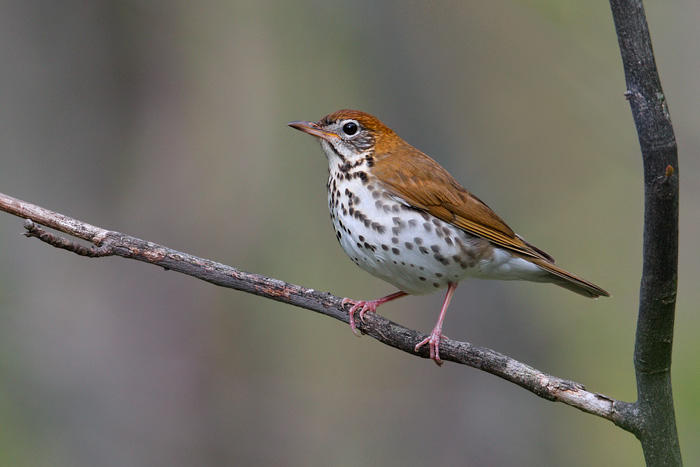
[[401, 217]]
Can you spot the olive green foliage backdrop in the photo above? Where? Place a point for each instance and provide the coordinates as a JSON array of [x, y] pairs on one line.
[[166, 120]]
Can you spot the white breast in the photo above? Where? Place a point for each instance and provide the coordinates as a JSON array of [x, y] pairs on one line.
[[408, 248]]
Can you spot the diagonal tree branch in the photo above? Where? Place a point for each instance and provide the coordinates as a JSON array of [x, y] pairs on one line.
[[657, 296], [109, 243]]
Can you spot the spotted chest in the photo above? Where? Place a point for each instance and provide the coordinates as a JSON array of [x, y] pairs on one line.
[[406, 247]]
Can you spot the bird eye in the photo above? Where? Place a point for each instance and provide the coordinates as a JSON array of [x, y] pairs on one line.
[[350, 128]]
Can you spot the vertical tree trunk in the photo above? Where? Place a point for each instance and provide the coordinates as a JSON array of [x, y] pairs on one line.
[[657, 299]]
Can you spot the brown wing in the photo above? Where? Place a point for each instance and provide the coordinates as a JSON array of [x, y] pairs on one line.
[[424, 184]]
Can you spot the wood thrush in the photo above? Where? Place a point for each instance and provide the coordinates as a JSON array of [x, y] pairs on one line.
[[401, 217]]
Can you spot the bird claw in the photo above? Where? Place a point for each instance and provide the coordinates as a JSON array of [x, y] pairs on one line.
[[434, 342], [363, 306]]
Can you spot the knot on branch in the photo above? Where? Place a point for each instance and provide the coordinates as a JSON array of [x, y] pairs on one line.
[[666, 184], [553, 387]]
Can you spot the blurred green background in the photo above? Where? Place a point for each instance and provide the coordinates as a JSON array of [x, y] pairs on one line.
[[166, 121]]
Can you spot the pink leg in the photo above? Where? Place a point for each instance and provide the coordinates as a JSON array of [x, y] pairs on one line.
[[370, 306], [434, 339]]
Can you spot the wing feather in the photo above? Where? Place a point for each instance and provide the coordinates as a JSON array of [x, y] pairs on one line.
[[422, 183]]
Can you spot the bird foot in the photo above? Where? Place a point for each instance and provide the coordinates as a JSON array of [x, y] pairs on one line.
[[367, 306], [434, 342], [364, 307]]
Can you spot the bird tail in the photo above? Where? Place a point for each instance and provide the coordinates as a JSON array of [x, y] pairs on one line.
[[569, 281]]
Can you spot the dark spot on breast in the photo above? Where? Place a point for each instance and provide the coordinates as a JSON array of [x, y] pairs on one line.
[[417, 240], [395, 251], [427, 226], [412, 223], [395, 240], [423, 250], [435, 248], [409, 245], [422, 278], [442, 259]]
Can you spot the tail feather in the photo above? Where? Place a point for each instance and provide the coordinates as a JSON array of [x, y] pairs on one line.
[[569, 281]]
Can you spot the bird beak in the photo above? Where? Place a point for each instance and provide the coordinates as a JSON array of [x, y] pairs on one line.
[[312, 129]]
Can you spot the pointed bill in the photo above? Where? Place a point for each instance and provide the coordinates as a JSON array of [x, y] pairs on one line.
[[313, 129]]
